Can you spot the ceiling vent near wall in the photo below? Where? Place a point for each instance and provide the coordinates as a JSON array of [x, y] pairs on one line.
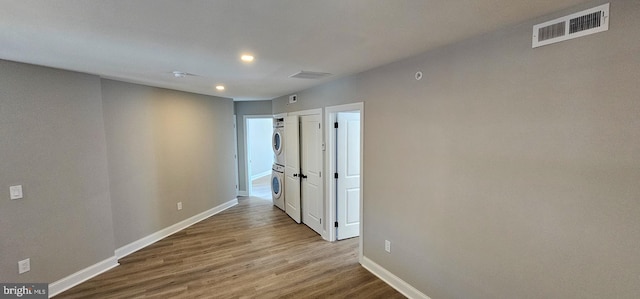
[[309, 75], [579, 24]]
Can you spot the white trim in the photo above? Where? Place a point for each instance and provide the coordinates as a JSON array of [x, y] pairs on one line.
[[394, 281], [235, 147], [81, 276], [161, 234], [85, 274], [306, 112], [345, 107], [280, 115], [330, 162]]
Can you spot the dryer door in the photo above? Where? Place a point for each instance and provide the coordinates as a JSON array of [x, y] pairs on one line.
[[276, 142], [276, 185]]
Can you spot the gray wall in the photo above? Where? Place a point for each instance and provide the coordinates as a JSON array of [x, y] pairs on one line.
[[342, 91], [65, 134], [241, 109], [52, 143], [164, 147], [506, 172]]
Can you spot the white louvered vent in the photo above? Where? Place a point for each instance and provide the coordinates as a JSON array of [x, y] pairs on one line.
[[309, 75], [579, 24]]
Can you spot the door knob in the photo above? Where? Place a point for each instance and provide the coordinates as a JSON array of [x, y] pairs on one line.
[[295, 175], [303, 176]]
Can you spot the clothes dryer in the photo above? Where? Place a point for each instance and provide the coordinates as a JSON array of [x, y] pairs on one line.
[[277, 141], [277, 185]]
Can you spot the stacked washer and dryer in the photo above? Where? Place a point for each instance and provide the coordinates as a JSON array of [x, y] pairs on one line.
[[277, 175]]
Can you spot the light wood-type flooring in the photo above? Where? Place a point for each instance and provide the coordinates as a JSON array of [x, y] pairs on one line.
[[252, 250]]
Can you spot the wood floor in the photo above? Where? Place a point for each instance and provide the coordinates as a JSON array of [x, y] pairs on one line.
[[252, 250]]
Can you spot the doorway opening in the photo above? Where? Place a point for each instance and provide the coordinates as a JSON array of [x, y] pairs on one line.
[[258, 155], [345, 146]]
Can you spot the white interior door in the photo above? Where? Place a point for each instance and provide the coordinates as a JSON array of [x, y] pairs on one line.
[[311, 165], [292, 167], [348, 169]]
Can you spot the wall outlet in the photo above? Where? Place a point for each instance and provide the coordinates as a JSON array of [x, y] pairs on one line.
[[387, 246], [24, 266], [179, 205]]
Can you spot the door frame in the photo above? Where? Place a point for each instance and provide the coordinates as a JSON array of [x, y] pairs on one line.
[[235, 153], [247, 168], [330, 188]]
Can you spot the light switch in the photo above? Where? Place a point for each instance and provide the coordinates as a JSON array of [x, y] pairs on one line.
[[16, 192], [24, 266]]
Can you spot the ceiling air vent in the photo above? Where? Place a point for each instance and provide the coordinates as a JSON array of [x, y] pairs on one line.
[[309, 75], [579, 24]]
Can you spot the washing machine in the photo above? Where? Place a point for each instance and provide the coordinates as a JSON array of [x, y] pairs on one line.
[[277, 140], [277, 185]]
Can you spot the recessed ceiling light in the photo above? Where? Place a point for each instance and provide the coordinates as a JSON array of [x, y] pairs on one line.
[[247, 58], [220, 87]]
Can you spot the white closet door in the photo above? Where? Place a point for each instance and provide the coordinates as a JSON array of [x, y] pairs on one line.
[[292, 167]]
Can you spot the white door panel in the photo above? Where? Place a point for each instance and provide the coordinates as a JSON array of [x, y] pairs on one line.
[[348, 168], [352, 209], [311, 165], [292, 167]]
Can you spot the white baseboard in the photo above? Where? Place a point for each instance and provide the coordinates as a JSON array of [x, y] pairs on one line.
[[82, 276], [392, 280], [157, 236], [243, 193]]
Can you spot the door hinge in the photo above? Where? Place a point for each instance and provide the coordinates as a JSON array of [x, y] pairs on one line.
[[335, 224], [335, 175], [335, 125]]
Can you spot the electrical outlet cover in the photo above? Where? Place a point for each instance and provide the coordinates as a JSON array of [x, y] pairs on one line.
[[15, 192]]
